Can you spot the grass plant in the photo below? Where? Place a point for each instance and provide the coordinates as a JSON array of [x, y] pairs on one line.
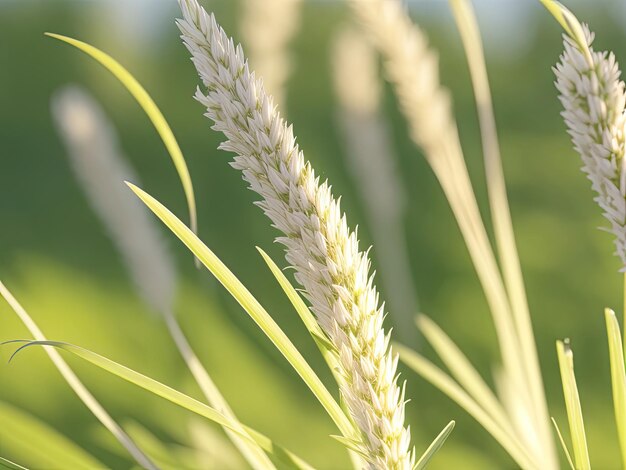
[[336, 297]]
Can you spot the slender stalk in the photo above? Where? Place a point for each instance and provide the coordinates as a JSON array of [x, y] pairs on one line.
[[411, 66], [253, 454], [74, 382], [100, 166], [501, 217]]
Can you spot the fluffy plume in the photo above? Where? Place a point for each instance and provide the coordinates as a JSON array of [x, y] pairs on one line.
[[593, 99], [267, 26], [319, 245]]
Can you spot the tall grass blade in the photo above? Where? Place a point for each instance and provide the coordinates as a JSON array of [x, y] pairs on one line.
[[326, 347], [74, 382], [164, 391], [167, 456], [618, 377], [7, 464], [30, 440], [563, 445], [503, 226], [462, 370], [434, 447], [411, 66], [505, 437], [253, 454], [252, 307], [101, 168], [152, 111], [572, 403]]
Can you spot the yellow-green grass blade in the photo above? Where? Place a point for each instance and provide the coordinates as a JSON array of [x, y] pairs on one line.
[[462, 370], [167, 457], [569, 23], [449, 387], [152, 111], [328, 350], [434, 447], [252, 307], [563, 445], [326, 347], [7, 464], [31, 441], [572, 403], [76, 385], [618, 377], [251, 452], [467, 24], [171, 395]]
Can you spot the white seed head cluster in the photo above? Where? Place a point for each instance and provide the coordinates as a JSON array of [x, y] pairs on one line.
[[319, 245], [593, 99], [267, 26]]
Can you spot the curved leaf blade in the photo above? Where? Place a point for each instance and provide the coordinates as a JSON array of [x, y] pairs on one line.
[[572, 403], [426, 457], [252, 307], [152, 111], [618, 377], [173, 396], [39, 445]]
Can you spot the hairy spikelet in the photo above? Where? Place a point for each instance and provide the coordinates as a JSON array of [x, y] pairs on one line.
[[593, 99], [319, 245]]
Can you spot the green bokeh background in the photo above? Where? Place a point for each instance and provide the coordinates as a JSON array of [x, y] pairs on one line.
[[56, 258]]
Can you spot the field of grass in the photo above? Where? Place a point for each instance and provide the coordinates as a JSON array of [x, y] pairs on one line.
[[58, 261]]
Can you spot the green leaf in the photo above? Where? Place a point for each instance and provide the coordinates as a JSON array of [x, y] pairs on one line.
[[569, 23], [250, 450], [173, 396], [32, 441], [506, 437], [563, 445], [424, 460], [167, 457], [462, 369], [326, 347], [77, 386], [5, 463], [252, 307], [152, 111], [618, 377], [572, 403]]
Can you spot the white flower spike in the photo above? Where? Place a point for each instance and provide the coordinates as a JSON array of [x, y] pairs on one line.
[[593, 99], [324, 252]]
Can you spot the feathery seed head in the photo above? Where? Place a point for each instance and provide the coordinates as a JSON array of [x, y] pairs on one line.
[[593, 99], [318, 242]]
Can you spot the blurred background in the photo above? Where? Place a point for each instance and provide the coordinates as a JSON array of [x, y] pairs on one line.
[[59, 262]]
